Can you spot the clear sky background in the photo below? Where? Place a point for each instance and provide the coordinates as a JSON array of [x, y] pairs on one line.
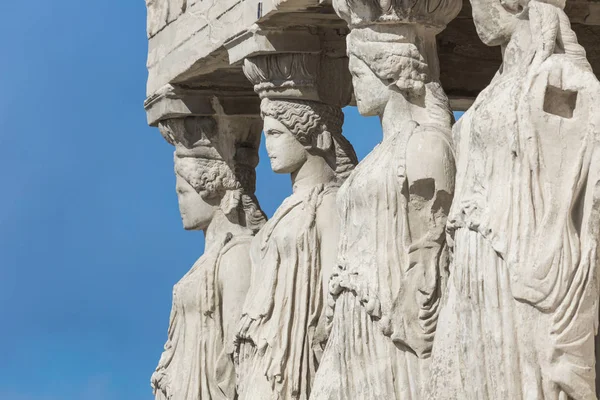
[[91, 240]]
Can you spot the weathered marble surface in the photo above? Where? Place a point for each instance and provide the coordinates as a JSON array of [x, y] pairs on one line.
[[163, 12], [189, 49], [392, 259], [215, 159], [280, 337], [446, 265], [522, 307]]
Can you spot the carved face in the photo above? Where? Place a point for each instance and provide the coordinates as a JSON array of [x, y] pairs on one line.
[[494, 23], [286, 153], [196, 211], [370, 92]]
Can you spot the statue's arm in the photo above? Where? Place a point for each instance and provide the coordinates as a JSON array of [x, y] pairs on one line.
[[234, 281], [430, 172], [328, 227]]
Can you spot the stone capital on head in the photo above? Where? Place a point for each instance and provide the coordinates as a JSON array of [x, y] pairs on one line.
[[434, 14]]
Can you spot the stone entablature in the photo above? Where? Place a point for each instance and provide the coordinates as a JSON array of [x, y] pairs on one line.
[[187, 38], [456, 261]]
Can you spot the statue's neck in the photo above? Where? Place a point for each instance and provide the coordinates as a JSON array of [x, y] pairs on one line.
[[315, 171], [428, 48], [401, 111], [216, 233], [517, 49], [397, 115]]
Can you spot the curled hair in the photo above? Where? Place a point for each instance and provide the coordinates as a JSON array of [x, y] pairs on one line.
[[212, 177], [216, 179], [401, 65], [345, 157], [254, 217], [396, 63], [307, 121]]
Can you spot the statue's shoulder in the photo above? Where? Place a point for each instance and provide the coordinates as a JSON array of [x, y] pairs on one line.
[[327, 211], [570, 74], [566, 87], [430, 155], [328, 201], [237, 245]]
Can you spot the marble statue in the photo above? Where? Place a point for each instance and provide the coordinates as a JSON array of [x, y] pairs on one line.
[[453, 263], [281, 333], [214, 167], [392, 260], [521, 310]]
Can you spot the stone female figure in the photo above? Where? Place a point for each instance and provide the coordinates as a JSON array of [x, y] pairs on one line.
[[218, 198], [279, 341], [521, 312], [392, 253]]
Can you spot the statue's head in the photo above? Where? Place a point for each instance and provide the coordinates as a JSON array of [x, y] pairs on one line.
[[379, 62], [296, 128], [202, 185], [392, 47], [495, 20], [370, 92], [215, 172], [302, 98]]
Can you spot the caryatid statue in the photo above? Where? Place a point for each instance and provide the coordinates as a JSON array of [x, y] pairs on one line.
[[522, 304], [392, 261], [281, 334], [215, 159]]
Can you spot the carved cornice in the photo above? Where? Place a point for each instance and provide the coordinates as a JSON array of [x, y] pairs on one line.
[[429, 13], [177, 102], [196, 134], [296, 64], [208, 124], [233, 140], [284, 75], [300, 76], [256, 41]]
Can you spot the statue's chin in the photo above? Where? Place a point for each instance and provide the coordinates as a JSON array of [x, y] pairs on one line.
[[366, 109], [280, 169], [490, 41], [490, 38], [191, 225]]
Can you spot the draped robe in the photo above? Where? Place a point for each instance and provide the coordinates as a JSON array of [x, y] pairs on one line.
[[382, 327], [197, 361], [278, 345], [521, 308]]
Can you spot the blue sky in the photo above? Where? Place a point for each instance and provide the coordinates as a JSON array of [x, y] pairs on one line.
[[91, 240]]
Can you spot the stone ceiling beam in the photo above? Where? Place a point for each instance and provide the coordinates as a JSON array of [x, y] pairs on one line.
[[256, 41], [176, 102], [200, 44], [183, 39], [315, 60]]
